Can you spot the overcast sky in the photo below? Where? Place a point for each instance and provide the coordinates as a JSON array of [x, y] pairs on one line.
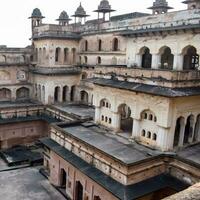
[[15, 28]]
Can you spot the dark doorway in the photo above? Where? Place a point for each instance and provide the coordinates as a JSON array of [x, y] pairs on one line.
[[63, 181], [79, 191], [72, 94], [188, 130], [146, 59], [126, 123]]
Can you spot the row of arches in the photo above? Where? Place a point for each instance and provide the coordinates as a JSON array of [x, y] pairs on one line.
[[62, 55], [64, 94], [12, 59], [84, 60], [65, 56], [115, 45], [166, 59], [187, 131], [123, 123], [22, 93]]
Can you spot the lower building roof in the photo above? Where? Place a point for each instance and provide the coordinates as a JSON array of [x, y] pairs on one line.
[[119, 190]]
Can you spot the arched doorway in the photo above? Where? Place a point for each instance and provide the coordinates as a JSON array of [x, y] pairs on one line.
[[167, 58], [126, 121], [57, 55], [178, 131], [65, 92], [115, 44], [22, 93], [146, 58], [63, 178], [72, 93], [79, 191], [5, 94], [84, 97], [56, 94], [191, 58], [188, 130]]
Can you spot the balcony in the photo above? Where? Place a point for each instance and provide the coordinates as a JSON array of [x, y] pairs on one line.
[[56, 70], [160, 77]]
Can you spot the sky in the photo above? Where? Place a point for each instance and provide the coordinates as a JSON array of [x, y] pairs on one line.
[[15, 26]]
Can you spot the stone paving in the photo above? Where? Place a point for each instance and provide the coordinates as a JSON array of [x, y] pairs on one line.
[[26, 184]]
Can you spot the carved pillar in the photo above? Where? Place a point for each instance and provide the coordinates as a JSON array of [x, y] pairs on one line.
[[138, 60], [155, 61], [182, 132], [116, 121], [178, 62], [97, 115], [136, 128]]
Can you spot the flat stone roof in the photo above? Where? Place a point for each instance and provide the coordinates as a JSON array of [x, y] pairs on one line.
[[26, 103], [78, 110], [191, 154], [114, 146], [144, 88]]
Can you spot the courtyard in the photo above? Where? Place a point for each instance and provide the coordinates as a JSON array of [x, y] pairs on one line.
[[26, 184]]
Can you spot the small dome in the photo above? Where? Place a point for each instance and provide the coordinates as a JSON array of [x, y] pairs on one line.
[[37, 13], [80, 10], [64, 16], [104, 5]]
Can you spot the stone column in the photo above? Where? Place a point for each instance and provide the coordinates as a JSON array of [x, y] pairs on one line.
[[163, 139], [116, 121], [136, 128], [192, 129], [97, 115], [155, 61], [138, 60], [60, 95], [178, 62], [13, 95], [182, 133]]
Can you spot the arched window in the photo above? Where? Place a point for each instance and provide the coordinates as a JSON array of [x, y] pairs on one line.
[[150, 117], [191, 58], [86, 45], [57, 54], [154, 136], [167, 58], [143, 133], [99, 45], [115, 44], [99, 60], [149, 134], [84, 97]]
